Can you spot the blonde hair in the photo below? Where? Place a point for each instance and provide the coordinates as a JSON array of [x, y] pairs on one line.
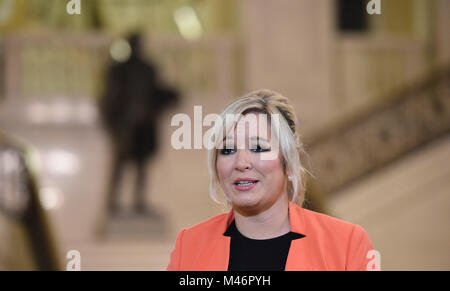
[[291, 148]]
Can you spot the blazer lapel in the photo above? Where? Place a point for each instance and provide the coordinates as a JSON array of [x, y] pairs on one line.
[[300, 251], [300, 255], [304, 253], [217, 257]]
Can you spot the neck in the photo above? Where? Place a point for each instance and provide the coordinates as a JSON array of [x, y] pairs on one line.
[[270, 223]]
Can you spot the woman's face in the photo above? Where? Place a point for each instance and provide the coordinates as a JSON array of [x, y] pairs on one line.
[[251, 183]]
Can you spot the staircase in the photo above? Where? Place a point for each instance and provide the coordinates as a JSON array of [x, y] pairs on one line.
[[405, 209], [382, 134], [388, 170]]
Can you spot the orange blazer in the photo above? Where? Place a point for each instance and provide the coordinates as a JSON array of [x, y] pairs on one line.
[[329, 244]]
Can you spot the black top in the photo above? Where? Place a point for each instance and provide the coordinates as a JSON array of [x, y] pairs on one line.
[[248, 254]]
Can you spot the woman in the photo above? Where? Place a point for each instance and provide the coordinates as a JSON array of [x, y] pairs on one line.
[[256, 160]]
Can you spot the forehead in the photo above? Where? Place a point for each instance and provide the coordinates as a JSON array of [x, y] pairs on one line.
[[252, 123]]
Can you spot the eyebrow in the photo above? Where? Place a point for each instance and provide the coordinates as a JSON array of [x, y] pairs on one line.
[[258, 138]]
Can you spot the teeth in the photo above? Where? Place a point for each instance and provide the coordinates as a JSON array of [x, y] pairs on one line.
[[243, 183]]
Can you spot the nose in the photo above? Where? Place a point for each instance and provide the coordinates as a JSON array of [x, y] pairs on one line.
[[243, 160]]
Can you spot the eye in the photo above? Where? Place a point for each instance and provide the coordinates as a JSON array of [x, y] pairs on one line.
[[227, 151], [259, 149]]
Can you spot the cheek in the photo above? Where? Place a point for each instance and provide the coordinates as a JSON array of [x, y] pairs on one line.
[[271, 168], [224, 166]]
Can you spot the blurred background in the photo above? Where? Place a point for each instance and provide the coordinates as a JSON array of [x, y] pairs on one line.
[[372, 93]]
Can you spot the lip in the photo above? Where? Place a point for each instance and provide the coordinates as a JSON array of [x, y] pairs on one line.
[[245, 187]]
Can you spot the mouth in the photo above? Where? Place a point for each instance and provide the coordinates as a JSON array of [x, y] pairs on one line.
[[245, 184]]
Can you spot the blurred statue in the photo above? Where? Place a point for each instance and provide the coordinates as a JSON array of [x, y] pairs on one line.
[[131, 107]]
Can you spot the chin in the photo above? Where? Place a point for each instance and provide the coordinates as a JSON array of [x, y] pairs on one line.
[[247, 200]]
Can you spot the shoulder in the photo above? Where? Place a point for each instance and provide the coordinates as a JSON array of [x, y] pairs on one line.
[[211, 226], [344, 245], [200, 236], [327, 223], [329, 229]]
